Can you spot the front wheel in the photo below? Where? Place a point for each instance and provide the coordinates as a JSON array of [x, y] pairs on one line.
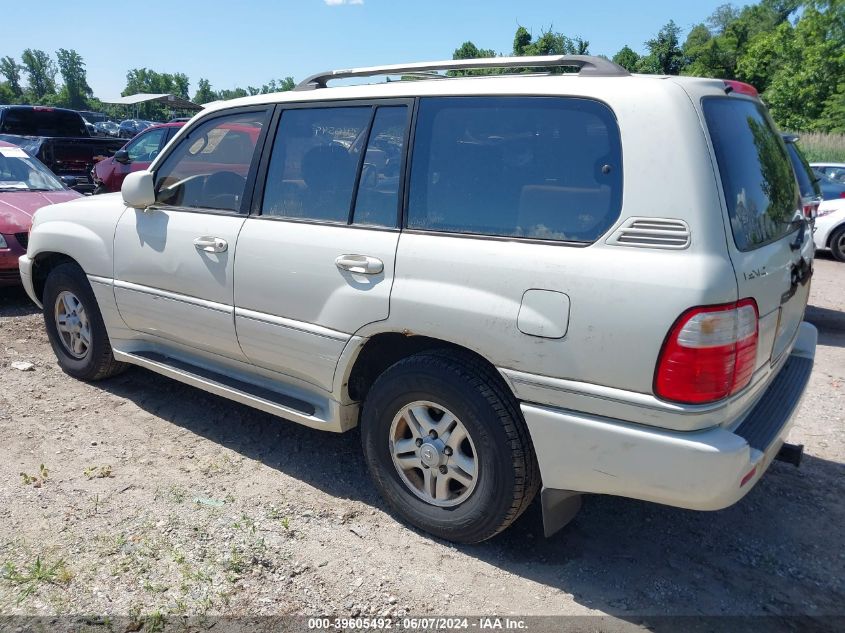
[[75, 326], [447, 447], [837, 244]]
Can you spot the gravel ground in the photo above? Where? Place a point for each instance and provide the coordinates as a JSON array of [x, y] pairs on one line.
[[156, 499]]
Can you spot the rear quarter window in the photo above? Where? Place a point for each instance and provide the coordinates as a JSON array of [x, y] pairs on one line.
[[756, 173], [534, 167]]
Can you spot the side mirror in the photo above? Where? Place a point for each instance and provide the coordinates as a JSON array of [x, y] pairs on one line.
[[138, 190], [122, 156], [69, 181]]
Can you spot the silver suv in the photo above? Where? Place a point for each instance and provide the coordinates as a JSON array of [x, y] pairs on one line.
[[580, 283]]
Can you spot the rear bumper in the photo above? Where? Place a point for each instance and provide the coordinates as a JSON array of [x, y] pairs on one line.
[[700, 470], [9, 261]]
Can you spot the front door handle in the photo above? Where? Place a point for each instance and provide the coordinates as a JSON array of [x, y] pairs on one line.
[[211, 244], [363, 264]]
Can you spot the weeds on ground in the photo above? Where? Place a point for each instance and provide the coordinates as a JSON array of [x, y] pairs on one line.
[[98, 472], [28, 580], [36, 480]]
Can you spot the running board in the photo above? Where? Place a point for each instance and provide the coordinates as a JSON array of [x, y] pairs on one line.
[[252, 395]]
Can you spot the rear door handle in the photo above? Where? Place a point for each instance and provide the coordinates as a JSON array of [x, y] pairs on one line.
[[362, 264], [211, 244]]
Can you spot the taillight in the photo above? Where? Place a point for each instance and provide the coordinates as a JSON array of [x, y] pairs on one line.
[[709, 354], [842, 194], [811, 210]]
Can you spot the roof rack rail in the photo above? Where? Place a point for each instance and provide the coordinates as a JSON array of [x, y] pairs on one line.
[[587, 66]]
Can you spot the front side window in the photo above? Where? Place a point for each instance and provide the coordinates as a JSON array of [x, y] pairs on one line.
[[145, 147], [315, 162], [535, 167], [209, 167]]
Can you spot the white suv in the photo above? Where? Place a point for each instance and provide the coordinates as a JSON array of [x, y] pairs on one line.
[[589, 282]]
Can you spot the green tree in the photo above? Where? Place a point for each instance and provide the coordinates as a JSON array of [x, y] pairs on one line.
[[468, 50], [627, 58], [181, 84], [802, 90], [521, 41], [721, 18], [11, 70], [6, 94], [204, 92], [41, 73], [665, 56], [76, 90]]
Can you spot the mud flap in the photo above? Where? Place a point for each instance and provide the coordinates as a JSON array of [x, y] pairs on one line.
[[559, 508]]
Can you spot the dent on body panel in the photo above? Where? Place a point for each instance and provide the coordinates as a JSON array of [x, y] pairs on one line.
[[434, 308]]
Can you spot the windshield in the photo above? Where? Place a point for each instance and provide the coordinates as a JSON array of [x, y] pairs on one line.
[[20, 172], [755, 169]]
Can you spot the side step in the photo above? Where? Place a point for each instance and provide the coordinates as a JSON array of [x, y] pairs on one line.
[[252, 395]]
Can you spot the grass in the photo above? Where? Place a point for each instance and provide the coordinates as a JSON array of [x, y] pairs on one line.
[[39, 573], [821, 147]]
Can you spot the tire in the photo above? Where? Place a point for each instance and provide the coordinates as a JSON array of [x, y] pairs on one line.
[[506, 475], [67, 284], [837, 244]]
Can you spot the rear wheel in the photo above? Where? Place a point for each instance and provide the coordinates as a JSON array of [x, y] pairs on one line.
[[837, 244], [447, 447], [75, 326]]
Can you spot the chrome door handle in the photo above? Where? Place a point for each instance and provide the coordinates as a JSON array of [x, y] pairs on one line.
[[362, 264], [211, 244]]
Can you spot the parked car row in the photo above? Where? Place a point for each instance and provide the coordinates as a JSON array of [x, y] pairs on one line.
[[59, 138], [26, 185], [449, 264]]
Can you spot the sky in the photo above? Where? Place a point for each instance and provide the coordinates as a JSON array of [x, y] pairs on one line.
[[248, 42]]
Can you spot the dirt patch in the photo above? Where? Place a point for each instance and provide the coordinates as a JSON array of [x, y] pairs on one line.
[[141, 496]]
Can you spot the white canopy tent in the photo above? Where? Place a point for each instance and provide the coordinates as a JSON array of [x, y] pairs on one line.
[[171, 101]]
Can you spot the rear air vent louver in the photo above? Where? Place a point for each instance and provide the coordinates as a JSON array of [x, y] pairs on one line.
[[652, 233]]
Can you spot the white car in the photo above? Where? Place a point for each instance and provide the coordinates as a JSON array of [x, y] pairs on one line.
[[829, 228], [834, 170], [590, 282]]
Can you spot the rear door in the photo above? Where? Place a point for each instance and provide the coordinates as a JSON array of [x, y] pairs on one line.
[[316, 257], [769, 240]]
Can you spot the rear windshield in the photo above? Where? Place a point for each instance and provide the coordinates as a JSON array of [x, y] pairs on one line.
[[757, 177], [42, 122], [807, 180]]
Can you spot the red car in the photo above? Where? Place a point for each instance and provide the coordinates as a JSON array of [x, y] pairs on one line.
[[136, 155], [26, 185]]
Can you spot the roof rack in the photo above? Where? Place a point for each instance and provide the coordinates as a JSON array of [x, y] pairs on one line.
[[587, 66]]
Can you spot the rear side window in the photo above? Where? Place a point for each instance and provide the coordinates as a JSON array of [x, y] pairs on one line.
[[315, 162], [757, 177], [535, 167]]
